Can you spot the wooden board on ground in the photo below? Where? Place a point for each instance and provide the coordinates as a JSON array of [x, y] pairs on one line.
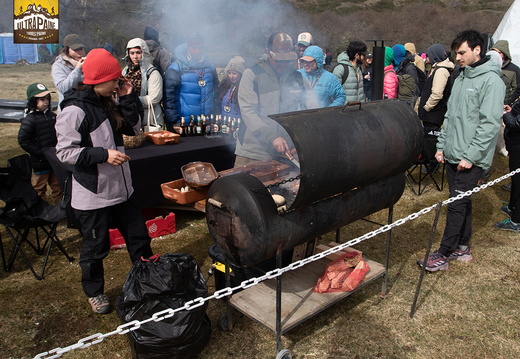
[[299, 302]]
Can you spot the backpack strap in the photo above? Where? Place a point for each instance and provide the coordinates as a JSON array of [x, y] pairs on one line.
[[150, 70], [345, 73]]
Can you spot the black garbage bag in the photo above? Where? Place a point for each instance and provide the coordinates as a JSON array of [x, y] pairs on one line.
[[157, 284]]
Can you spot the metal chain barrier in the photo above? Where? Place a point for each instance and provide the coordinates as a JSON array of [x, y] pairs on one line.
[[197, 302]]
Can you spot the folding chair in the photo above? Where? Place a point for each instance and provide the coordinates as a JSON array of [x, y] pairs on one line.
[[420, 175], [25, 213]]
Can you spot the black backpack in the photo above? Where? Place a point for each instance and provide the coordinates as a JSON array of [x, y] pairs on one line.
[[345, 73]]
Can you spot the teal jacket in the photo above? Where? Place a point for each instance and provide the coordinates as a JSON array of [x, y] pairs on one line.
[[322, 84], [353, 85], [474, 115]]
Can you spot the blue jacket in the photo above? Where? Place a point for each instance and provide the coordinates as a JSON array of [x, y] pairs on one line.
[[183, 95], [325, 86]]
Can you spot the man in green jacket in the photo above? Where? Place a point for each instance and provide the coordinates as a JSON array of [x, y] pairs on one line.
[[467, 141]]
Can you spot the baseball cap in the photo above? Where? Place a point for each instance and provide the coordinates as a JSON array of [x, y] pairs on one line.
[[73, 41], [282, 48], [37, 90], [305, 39]]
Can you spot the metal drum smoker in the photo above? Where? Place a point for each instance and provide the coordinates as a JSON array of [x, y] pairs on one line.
[[349, 162]]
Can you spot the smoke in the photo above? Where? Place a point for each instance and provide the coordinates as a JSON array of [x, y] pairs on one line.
[[229, 27]]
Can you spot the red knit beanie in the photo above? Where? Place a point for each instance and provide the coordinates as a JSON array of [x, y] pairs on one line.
[[100, 66]]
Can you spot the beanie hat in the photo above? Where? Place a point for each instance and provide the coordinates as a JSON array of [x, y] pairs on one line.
[[151, 34], [37, 90], [237, 63], [436, 53], [100, 66], [503, 47]]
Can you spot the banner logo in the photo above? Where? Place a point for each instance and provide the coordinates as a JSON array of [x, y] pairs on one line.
[[36, 23]]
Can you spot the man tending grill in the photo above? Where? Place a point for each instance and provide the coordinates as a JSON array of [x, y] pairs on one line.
[[271, 86]]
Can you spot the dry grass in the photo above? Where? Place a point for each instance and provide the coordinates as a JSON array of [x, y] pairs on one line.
[[471, 311]]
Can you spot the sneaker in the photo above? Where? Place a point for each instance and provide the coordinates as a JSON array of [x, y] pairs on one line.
[[436, 261], [507, 187], [100, 304], [507, 225], [505, 210], [460, 255]]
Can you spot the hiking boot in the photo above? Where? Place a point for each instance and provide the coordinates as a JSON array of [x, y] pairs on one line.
[[436, 261], [507, 187], [100, 304], [505, 210], [507, 225], [460, 255]]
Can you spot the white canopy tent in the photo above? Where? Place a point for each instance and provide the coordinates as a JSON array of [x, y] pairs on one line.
[[509, 29]]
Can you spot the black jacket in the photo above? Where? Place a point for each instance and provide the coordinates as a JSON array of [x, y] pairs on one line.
[[512, 130], [37, 131]]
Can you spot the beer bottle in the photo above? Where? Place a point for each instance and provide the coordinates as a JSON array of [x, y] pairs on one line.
[[216, 125], [191, 132], [224, 127], [198, 127], [183, 128], [206, 127]]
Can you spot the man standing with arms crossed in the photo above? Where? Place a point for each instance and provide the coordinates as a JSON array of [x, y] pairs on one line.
[[467, 141]]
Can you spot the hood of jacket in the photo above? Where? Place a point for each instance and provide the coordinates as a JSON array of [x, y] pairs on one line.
[[446, 63], [482, 66], [73, 95], [399, 54], [343, 58], [181, 53], [436, 53], [389, 56], [503, 47], [316, 53], [410, 47], [147, 56]]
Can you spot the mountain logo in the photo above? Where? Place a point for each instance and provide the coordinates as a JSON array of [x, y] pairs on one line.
[[36, 23]]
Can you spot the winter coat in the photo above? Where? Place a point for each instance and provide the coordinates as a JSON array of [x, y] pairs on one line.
[[513, 74], [85, 134], [512, 130], [353, 85], [322, 84], [262, 93], [434, 97], [151, 83], [390, 82], [183, 94], [162, 58], [36, 132], [65, 75], [474, 115]]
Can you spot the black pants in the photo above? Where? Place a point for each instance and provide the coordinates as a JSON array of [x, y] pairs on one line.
[[94, 225], [431, 137], [459, 217], [514, 199]]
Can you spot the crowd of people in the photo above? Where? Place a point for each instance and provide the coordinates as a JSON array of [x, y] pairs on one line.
[[460, 106]]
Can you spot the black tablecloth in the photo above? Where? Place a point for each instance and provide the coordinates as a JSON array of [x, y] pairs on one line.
[[152, 165]]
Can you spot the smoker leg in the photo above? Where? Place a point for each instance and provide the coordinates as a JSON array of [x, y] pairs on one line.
[[338, 234], [278, 300], [426, 255], [387, 255], [226, 321]]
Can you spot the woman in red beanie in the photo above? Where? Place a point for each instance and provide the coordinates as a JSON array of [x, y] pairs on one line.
[[89, 131]]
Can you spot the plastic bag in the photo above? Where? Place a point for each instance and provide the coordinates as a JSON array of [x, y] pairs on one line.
[[158, 284], [343, 274]]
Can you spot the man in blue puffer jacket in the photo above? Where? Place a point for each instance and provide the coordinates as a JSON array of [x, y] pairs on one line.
[[319, 83], [190, 83]]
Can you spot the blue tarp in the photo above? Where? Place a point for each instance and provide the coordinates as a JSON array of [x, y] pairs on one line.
[[10, 52]]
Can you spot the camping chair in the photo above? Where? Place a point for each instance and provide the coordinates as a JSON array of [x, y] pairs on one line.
[[25, 213], [420, 175]]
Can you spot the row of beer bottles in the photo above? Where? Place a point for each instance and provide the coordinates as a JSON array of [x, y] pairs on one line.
[[210, 125]]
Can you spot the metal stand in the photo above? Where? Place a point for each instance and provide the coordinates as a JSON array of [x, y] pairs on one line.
[[387, 255], [427, 254]]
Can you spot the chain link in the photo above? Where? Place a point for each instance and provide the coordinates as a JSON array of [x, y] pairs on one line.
[[197, 302], [278, 183]]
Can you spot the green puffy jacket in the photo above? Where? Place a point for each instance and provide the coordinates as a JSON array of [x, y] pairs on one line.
[[474, 114]]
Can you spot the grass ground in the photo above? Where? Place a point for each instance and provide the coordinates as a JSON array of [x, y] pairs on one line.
[[470, 311]]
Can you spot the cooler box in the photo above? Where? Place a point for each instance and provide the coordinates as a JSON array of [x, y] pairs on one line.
[[156, 227]]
